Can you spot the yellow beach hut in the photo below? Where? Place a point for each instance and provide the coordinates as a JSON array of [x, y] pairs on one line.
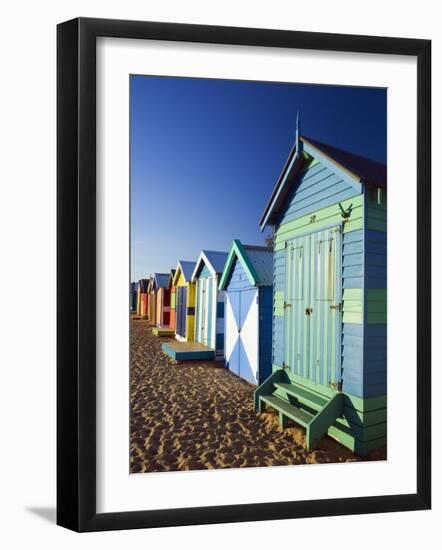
[[185, 301]]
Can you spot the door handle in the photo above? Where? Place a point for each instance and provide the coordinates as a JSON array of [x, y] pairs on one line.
[[338, 307], [308, 310]]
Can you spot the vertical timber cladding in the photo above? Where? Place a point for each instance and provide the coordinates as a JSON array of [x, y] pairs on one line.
[[185, 301], [329, 311], [312, 298], [172, 290], [209, 325]]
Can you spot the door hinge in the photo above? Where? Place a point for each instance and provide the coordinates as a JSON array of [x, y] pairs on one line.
[[286, 305]]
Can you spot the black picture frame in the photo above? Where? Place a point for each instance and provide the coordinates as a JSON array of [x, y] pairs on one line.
[[76, 273]]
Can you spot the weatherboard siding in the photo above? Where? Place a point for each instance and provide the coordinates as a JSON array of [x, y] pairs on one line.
[[375, 333], [318, 187], [325, 217], [238, 279], [313, 207]]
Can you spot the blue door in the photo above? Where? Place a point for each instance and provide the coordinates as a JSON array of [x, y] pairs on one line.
[[242, 334], [312, 307], [248, 342], [181, 303], [233, 331]]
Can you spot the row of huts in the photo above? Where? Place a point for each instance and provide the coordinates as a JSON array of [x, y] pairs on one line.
[[220, 307], [306, 319]]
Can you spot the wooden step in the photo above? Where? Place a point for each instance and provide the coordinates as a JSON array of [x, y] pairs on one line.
[[303, 395], [286, 409]]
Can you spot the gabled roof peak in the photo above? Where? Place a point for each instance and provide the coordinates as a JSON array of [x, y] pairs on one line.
[[213, 259], [257, 262], [357, 170], [186, 268]]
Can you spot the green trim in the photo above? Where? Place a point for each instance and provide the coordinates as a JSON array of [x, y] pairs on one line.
[[323, 390], [376, 306], [360, 404], [322, 421], [365, 405], [354, 318], [360, 431], [278, 303], [321, 219], [238, 251], [377, 225], [368, 418], [363, 433], [353, 294], [377, 318], [267, 387], [354, 444], [377, 294]]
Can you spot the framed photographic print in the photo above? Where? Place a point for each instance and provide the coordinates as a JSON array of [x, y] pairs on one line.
[[243, 274]]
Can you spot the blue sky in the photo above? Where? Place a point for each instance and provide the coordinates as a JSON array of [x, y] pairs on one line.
[[206, 154]]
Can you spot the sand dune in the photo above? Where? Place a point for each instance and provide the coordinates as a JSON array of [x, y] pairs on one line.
[[200, 416]]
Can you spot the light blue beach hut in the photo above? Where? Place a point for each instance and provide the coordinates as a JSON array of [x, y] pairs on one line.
[[328, 212], [209, 322], [247, 280]]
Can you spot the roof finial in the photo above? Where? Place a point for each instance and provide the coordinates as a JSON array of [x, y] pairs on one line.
[[298, 128]]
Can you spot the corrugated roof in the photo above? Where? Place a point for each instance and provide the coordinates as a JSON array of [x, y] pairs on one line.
[[261, 257], [216, 259], [161, 280], [187, 269], [370, 171]]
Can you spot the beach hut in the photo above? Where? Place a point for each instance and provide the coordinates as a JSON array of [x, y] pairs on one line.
[[151, 301], [185, 301], [162, 309], [142, 298], [209, 323], [172, 288], [138, 309], [133, 296], [247, 280], [328, 211], [184, 348], [162, 295]]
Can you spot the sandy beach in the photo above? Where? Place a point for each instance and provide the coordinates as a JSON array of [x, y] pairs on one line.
[[194, 416]]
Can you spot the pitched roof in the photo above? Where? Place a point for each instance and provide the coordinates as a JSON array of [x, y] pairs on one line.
[[186, 268], [358, 169], [257, 262], [261, 258], [214, 260], [369, 171], [161, 280]]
